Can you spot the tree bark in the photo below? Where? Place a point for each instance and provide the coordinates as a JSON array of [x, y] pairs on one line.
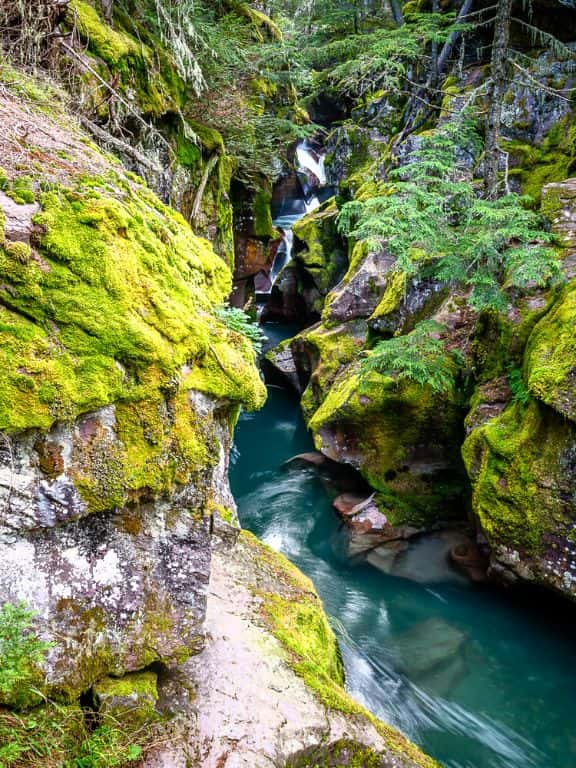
[[107, 7], [396, 9], [414, 118], [496, 96]]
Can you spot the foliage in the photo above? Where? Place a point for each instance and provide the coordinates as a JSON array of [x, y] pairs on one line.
[[419, 356], [238, 321], [21, 652], [381, 59], [108, 746], [431, 219], [520, 392], [57, 736]]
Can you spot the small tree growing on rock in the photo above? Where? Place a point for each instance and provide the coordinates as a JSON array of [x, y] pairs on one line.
[[21, 655]]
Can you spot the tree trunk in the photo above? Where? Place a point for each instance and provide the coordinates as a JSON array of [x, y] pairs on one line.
[[396, 9], [107, 6], [415, 116], [448, 47], [496, 96]]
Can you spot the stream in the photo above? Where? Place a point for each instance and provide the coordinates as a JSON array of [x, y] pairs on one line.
[[477, 679]]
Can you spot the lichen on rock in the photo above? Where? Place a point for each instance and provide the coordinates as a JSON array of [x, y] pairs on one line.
[[120, 390]]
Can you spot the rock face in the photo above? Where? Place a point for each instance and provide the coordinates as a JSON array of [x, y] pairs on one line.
[[511, 414], [520, 453], [119, 391], [319, 260], [269, 682]]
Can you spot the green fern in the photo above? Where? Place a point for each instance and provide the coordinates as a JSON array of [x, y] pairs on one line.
[[21, 653], [238, 321], [429, 205], [419, 356]]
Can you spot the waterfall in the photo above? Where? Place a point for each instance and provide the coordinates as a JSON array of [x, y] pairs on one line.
[[283, 256], [312, 161], [311, 176]]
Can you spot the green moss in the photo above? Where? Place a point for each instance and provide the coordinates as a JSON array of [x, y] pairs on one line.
[[515, 463], [210, 138], [343, 753], [393, 296], [260, 21], [499, 340], [551, 355], [41, 91], [130, 699], [145, 70], [324, 257], [110, 45], [224, 372], [120, 282], [332, 349], [534, 166], [263, 226], [188, 153], [385, 420], [296, 617], [21, 190], [115, 304]]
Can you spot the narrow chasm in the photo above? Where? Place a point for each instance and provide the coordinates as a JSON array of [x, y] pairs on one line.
[[287, 383]]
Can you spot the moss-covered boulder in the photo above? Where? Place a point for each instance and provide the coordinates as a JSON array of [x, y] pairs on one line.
[[550, 359], [522, 464], [403, 439], [362, 287], [120, 387], [130, 700], [319, 255]]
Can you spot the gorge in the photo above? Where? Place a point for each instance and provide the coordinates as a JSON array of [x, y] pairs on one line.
[[287, 402]]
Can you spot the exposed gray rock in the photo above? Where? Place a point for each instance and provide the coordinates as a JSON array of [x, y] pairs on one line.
[[122, 587], [19, 226], [251, 709], [360, 292]]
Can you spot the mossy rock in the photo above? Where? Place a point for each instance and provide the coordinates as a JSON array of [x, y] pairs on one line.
[[144, 70], [324, 256], [330, 350], [401, 436], [293, 612], [118, 299], [522, 464], [551, 356], [344, 753], [130, 700]]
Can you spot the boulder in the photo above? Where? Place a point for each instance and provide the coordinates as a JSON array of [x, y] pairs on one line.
[[130, 700]]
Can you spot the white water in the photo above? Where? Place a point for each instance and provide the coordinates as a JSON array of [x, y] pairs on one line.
[[309, 160], [311, 164]]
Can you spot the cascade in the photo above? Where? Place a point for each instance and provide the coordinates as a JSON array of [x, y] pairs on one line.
[[311, 176], [312, 161]]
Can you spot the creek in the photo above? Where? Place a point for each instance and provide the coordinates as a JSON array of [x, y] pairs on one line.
[[476, 678]]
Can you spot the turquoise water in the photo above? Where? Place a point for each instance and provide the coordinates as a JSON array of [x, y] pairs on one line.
[[478, 679]]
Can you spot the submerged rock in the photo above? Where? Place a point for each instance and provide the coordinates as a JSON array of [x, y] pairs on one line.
[[431, 655], [423, 558]]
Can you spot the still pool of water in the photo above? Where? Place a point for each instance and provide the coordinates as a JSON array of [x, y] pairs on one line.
[[477, 679]]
